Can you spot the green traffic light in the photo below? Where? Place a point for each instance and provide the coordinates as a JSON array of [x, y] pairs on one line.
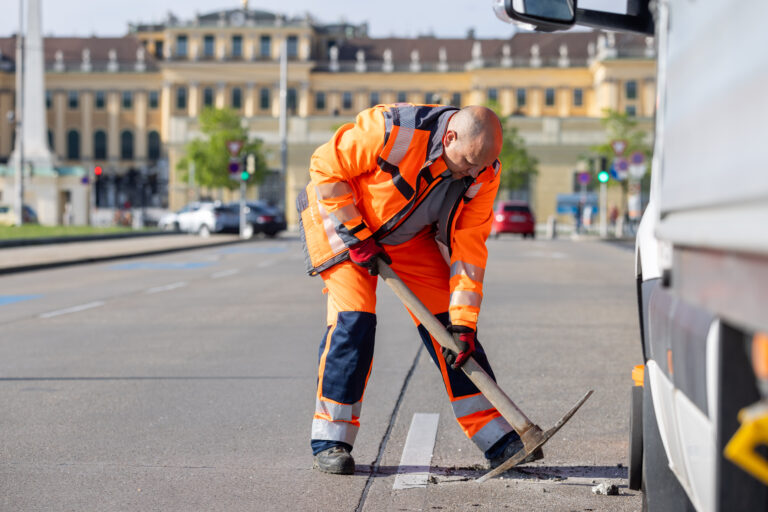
[[244, 175], [602, 177]]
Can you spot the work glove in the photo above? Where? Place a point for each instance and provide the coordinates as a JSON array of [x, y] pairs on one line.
[[367, 253], [465, 337]]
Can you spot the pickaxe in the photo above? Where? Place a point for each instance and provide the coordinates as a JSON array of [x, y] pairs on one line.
[[531, 435]]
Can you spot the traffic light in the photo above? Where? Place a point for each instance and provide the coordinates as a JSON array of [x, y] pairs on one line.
[[602, 176], [97, 170], [244, 175]]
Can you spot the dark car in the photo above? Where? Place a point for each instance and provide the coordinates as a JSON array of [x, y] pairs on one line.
[[260, 217], [513, 217]]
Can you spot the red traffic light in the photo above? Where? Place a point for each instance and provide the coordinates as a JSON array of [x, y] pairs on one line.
[[97, 170]]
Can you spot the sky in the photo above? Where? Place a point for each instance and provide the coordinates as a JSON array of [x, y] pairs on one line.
[[402, 18]]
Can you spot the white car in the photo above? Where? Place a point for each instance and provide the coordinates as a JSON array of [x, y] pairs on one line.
[[201, 217]]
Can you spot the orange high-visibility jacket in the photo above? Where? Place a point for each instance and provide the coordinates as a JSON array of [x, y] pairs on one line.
[[374, 173]]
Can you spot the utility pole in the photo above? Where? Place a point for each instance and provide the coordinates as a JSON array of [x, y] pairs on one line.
[[19, 182], [283, 116]]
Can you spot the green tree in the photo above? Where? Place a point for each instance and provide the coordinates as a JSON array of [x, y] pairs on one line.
[[517, 166], [210, 154]]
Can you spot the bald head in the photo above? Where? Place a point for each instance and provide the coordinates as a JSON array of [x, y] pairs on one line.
[[472, 141]]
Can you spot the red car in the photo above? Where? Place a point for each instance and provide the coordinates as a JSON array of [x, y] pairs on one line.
[[513, 217]]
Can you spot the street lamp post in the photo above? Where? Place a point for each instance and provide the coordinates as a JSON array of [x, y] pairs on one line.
[[19, 182]]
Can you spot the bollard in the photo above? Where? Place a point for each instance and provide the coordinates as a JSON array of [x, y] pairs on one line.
[[552, 227]]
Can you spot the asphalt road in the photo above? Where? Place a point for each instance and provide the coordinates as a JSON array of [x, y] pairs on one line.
[[185, 382]]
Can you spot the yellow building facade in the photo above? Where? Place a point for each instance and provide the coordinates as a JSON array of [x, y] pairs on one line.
[[129, 105]]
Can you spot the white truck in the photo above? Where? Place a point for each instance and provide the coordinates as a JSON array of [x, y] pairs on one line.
[[699, 421]]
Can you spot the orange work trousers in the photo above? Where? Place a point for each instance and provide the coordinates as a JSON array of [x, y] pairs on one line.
[[346, 351]]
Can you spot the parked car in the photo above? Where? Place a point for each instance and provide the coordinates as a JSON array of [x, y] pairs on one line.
[[8, 215], [260, 217], [513, 217], [201, 217]]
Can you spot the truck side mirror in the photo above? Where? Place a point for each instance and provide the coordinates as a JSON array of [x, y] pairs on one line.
[[545, 15]]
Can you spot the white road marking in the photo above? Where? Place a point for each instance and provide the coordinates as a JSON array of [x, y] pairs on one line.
[[73, 309], [167, 287], [417, 452], [225, 273]]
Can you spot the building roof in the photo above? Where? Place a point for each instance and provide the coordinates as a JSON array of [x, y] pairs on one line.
[[125, 50], [578, 47]]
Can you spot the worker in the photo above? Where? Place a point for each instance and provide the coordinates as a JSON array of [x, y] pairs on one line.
[[413, 186]]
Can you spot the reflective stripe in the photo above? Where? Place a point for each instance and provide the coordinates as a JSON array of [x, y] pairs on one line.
[[338, 412], [474, 272], [465, 298], [334, 431], [470, 405], [496, 167], [491, 432], [401, 144], [332, 190], [337, 244], [345, 213], [472, 191]]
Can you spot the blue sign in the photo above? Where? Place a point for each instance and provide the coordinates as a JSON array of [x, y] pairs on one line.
[[568, 204]]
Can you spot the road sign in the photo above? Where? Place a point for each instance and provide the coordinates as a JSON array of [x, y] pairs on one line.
[[234, 147], [234, 168], [637, 158], [584, 178], [618, 146]]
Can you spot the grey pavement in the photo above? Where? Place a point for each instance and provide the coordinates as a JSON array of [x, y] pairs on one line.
[[185, 381], [34, 257]]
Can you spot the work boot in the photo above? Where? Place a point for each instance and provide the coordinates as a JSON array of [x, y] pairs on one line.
[[512, 448], [336, 460]]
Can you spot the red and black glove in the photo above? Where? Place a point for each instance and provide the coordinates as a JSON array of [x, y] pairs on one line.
[[367, 253], [465, 338]]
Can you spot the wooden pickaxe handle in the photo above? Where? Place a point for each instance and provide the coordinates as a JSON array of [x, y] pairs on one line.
[[487, 386]]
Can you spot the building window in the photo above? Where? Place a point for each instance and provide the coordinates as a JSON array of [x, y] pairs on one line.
[[73, 145], [154, 99], [549, 97], [237, 47], [208, 97], [631, 111], [153, 146], [181, 98], [50, 140], [159, 49], [127, 100], [374, 99], [456, 99], [346, 100], [293, 47], [48, 99], [319, 101], [493, 95], [73, 100], [521, 97], [100, 145], [402, 97], [181, 46], [265, 47], [631, 90], [429, 98], [237, 98], [126, 145], [264, 99], [578, 97], [100, 99], [290, 101], [208, 46]]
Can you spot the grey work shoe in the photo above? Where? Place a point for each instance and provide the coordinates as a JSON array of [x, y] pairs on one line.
[[511, 449], [336, 460]]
